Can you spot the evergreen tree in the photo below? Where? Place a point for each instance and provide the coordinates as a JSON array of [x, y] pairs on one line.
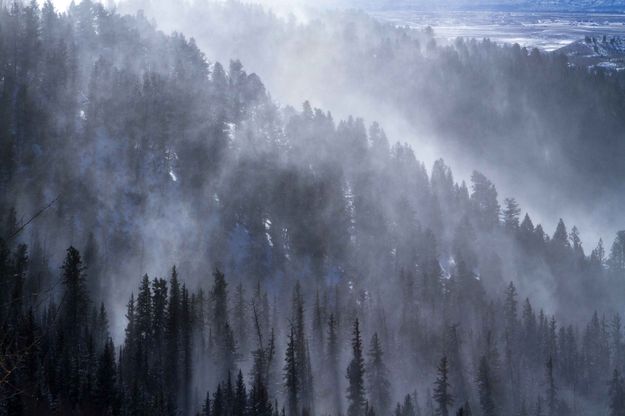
[[484, 199], [241, 318], [302, 353], [332, 363], [510, 309], [355, 375], [219, 299], [378, 384], [260, 404], [552, 398], [485, 389], [172, 336], [511, 215], [291, 381], [239, 407], [106, 382], [408, 408], [617, 395], [560, 237], [616, 260], [441, 393], [317, 326], [219, 405], [75, 299]]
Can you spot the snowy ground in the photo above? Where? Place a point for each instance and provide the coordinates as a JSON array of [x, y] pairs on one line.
[[547, 31]]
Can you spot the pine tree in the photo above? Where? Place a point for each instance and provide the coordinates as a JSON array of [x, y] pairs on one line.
[[317, 326], [219, 299], [172, 336], [552, 398], [484, 199], [485, 388], [408, 408], [576, 243], [219, 405], [560, 239], [106, 382], [260, 404], [355, 375], [510, 309], [291, 381], [159, 320], [75, 300], [597, 257], [377, 378], [130, 333], [616, 259], [239, 407], [228, 356], [441, 394], [241, 318], [332, 364], [511, 215], [617, 395], [186, 327], [144, 313], [302, 353]]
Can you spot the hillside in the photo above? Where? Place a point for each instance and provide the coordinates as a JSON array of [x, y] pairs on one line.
[[175, 242], [467, 101], [604, 53]]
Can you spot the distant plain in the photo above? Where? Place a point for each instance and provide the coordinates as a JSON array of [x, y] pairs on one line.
[[543, 30]]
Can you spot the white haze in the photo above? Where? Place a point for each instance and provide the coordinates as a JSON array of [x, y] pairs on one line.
[[298, 78]]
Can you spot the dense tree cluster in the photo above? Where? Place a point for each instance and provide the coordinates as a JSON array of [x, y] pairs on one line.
[[478, 99], [57, 355], [346, 277]]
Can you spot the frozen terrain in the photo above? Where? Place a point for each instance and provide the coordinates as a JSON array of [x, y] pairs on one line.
[[547, 31]]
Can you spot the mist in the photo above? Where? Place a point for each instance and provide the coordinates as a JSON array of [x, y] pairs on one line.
[[243, 209], [317, 76]]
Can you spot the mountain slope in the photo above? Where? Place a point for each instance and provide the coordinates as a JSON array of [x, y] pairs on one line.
[[606, 53], [293, 235]]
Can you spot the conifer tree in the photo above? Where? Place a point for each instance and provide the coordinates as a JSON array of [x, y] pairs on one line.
[[106, 382], [511, 215], [485, 388], [291, 381], [219, 299], [302, 353], [260, 404], [241, 318], [355, 375], [441, 393], [378, 384], [332, 363], [76, 299], [172, 336], [239, 407], [552, 398], [219, 406], [617, 395]]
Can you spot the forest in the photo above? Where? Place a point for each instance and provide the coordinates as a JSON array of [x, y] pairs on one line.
[[469, 101], [173, 241]]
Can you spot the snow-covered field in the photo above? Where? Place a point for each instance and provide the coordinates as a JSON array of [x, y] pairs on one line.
[[547, 31]]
